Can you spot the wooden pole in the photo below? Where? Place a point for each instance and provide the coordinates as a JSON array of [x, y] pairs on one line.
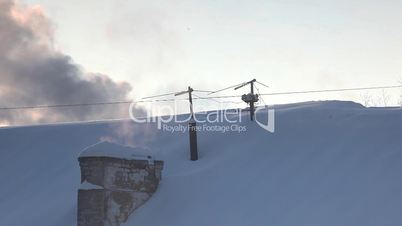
[[192, 126], [252, 102]]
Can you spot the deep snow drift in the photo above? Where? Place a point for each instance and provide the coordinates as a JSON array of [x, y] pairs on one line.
[[328, 163]]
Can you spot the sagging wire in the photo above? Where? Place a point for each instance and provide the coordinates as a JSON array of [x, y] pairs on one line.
[[260, 96]]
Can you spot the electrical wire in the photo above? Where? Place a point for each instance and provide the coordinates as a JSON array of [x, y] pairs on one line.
[[332, 90], [160, 95], [213, 99], [209, 97], [227, 88], [202, 91], [260, 97], [262, 84], [85, 104]]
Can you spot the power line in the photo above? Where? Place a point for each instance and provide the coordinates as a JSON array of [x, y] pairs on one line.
[[174, 99], [103, 120], [84, 104], [226, 88], [331, 90], [160, 95], [217, 101], [314, 91], [203, 91], [198, 97], [174, 93], [258, 92], [64, 105], [262, 84]]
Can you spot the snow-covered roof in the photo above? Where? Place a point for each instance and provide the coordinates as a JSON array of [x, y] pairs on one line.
[[88, 186], [109, 149]]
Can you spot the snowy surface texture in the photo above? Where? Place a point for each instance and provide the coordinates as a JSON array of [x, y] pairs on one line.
[[327, 164], [88, 186], [109, 149]]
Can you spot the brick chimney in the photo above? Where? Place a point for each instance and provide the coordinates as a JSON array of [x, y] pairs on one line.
[[115, 180]]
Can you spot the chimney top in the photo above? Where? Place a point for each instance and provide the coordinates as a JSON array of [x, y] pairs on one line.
[[113, 150]]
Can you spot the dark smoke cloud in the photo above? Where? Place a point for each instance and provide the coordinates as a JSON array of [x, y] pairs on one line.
[[33, 72]]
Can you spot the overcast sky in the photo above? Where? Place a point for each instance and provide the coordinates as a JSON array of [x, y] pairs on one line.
[[163, 46]]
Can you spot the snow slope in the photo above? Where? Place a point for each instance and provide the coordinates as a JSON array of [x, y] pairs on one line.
[[328, 163]]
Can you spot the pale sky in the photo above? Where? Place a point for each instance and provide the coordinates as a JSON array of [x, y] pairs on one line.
[[164, 46]]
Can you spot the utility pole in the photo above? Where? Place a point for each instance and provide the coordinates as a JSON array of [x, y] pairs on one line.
[[252, 102], [192, 126], [250, 98]]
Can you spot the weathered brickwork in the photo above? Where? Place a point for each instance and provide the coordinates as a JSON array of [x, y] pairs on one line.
[[120, 187], [87, 214]]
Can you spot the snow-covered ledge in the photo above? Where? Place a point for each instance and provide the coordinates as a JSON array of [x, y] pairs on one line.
[[115, 180]]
